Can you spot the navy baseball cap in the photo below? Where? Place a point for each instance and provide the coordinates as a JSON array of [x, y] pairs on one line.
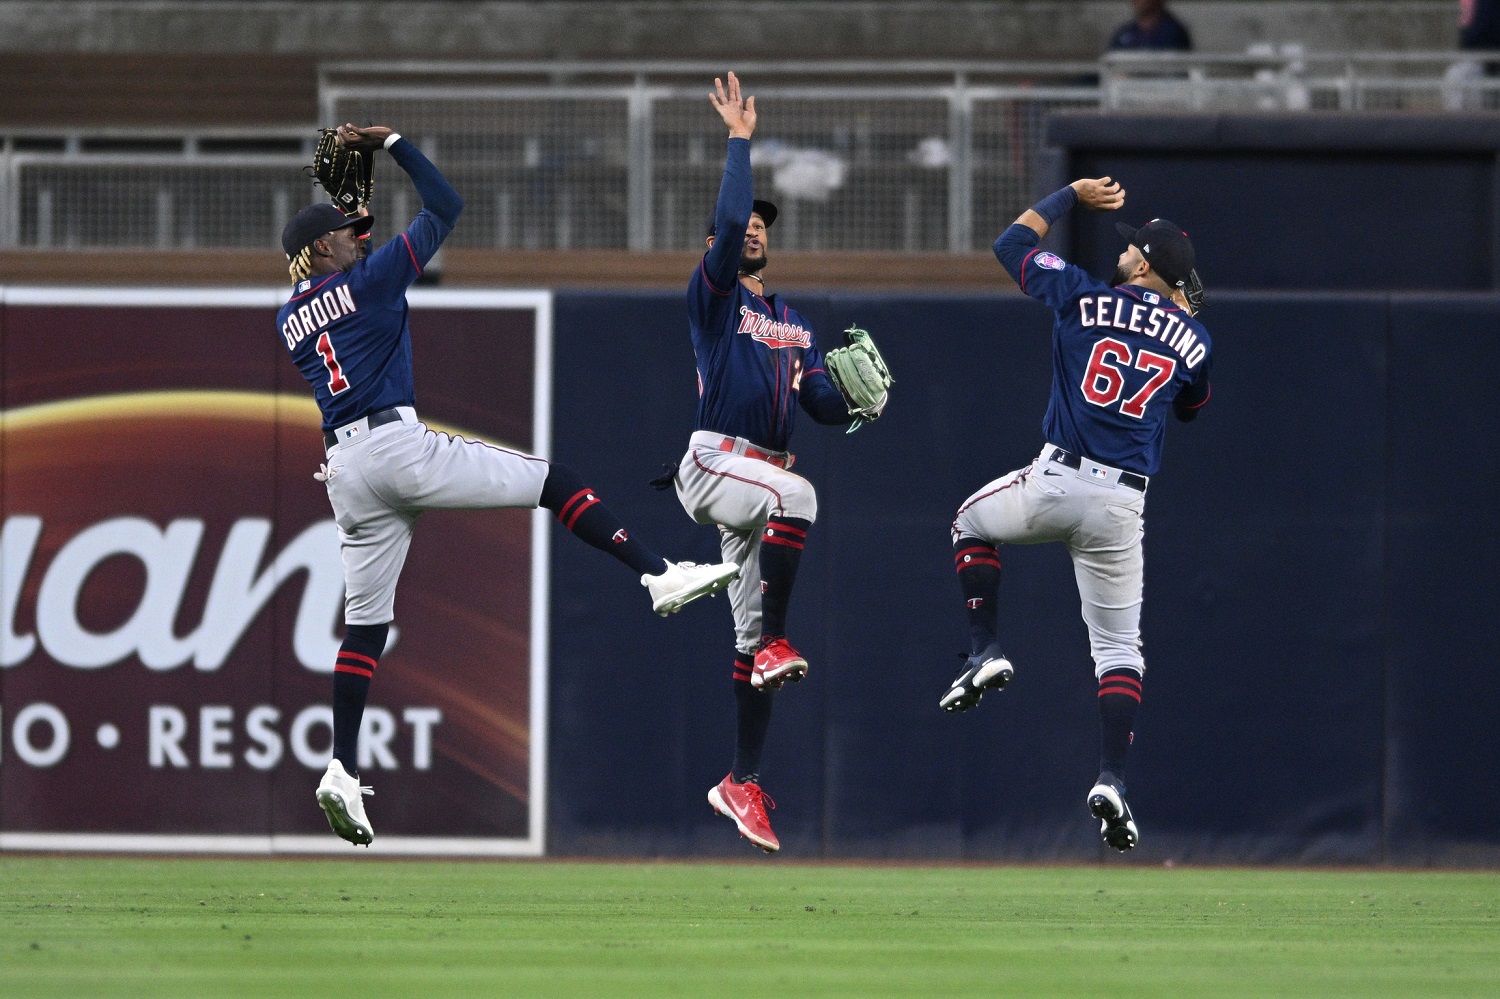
[[315, 220], [764, 209], [1166, 248]]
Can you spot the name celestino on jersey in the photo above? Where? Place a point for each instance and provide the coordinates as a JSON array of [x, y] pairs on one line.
[[316, 313], [1157, 323], [768, 331]]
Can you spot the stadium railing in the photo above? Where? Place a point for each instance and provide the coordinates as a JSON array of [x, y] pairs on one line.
[[917, 157]]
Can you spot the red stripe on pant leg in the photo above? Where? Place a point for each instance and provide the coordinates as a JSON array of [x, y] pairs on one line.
[[368, 674], [1126, 691], [771, 539], [579, 513]]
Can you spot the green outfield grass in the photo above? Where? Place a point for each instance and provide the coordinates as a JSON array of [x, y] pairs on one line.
[[757, 930]]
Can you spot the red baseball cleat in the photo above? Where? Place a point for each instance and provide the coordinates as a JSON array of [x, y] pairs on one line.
[[776, 662], [746, 805]]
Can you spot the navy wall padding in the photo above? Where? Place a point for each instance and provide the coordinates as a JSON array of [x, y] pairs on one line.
[[1298, 201], [1319, 586]]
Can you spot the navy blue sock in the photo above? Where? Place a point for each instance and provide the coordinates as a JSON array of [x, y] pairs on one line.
[[752, 717], [1119, 697], [978, 566], [352, 674], [580, 510], [780, 552]]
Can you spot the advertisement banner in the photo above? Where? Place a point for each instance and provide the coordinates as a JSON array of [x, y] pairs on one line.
[[171, 591]]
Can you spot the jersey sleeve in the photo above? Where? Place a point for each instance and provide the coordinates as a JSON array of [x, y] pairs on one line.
[[1194, 396], [712, 284], [392, 268], [1041, 274], [818, 396]]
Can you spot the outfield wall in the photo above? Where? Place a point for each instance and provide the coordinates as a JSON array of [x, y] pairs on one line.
[[1319, 587], [1319, 583]]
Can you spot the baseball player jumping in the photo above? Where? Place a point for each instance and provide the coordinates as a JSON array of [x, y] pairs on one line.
[[346, 329], [757, 362], [1123, 355]]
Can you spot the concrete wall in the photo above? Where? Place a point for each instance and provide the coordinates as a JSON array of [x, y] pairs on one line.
[[695, 29]]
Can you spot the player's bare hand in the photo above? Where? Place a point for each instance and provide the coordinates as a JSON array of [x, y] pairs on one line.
[[738, 112], [372, 137], [1103, 194]]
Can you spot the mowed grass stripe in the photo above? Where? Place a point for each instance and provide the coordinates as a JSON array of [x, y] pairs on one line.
[[760, 930]]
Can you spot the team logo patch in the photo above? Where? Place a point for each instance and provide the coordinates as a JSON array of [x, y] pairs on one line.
[[1152, 298], [1051, 261], [303, 286]]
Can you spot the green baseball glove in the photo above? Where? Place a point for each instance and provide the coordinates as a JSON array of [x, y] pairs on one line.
[[859, 372], [348, 175]]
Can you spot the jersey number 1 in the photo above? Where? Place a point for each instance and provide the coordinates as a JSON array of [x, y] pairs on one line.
[[336, 380], [1103, 383]]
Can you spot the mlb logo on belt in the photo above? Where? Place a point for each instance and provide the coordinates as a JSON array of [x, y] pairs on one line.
[[1098, 473], [350, 433]]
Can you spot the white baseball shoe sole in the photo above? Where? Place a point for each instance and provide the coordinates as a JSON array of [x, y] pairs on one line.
[[1116, 825], [342, 799], [684, 582], [989, 670]]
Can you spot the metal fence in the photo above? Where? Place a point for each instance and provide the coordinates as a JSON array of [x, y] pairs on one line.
[[915, 157], [860, 156], [1287, 78]]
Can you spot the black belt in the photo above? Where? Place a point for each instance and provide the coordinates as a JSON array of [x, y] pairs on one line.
[[377, 419], [1070, 460]]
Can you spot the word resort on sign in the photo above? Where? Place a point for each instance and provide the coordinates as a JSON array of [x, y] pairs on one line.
[[41, 737]]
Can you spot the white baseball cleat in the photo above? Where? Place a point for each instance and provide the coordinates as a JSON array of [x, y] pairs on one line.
[[1107, 804], [684, 582], [342, 799]]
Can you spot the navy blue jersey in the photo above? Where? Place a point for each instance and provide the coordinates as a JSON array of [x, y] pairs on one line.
[[1167, 34], [757, 357], [1121, 357], [347, 331]]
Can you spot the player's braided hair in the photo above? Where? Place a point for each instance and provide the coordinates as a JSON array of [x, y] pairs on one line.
[[301, 265]]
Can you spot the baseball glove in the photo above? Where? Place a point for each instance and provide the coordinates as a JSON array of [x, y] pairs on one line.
[[1192, 292], [348, 175], [859, 372]]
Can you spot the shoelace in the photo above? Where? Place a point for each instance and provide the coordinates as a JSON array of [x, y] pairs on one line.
[[759, 799]]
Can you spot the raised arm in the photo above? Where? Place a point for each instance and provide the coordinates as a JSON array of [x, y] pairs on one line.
[[736, 195], [1101, 194], [438, 196]]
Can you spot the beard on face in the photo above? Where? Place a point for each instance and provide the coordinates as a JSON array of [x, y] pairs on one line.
[[1122, 276], [750, 265]]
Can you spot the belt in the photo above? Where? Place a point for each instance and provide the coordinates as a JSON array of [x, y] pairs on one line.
[[1070, 460], [735, 445], [349, 431]]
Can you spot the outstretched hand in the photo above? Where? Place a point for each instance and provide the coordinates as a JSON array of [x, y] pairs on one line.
[[1102, 194], [371, 138], [738, 113]]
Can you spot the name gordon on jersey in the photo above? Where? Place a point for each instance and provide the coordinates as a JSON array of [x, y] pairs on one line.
[[771, 333], [1124, 313], [316, 313]]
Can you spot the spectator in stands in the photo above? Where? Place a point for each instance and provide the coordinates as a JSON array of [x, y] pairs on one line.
[[1478, 30], [1479, 24], [1154, 27]]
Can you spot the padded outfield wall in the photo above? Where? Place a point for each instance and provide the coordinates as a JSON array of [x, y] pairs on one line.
[[1318, 618], [1320, 597]]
